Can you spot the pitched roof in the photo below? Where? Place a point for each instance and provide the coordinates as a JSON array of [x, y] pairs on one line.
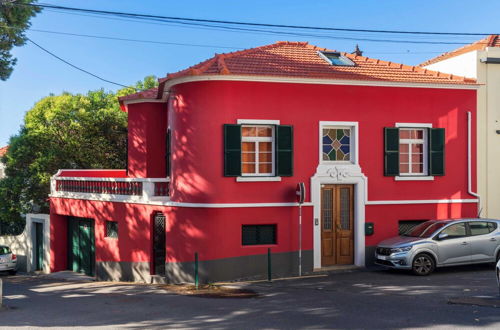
[[490, 41], [301, 60], [146, 94], [3, 150]]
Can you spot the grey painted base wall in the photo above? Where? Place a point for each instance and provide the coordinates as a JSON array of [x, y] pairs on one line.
[[246, 267], [239, 268], [370, 256], [229, 269], [123, 271]]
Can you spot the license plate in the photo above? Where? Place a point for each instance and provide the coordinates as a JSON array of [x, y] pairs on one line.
[[381, 257]]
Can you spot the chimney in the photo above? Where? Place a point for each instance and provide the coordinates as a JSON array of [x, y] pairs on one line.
[[357, 51]]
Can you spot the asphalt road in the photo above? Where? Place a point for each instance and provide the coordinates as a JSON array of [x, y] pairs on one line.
[[371, 299]]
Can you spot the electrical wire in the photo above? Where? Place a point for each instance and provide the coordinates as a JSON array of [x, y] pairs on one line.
[[78, 68], [302, 27], [133, 40]]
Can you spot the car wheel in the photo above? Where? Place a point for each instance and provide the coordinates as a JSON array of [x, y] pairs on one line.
[[423, 264]]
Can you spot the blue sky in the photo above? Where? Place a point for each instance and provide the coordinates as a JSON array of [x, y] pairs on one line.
[[37, 74]]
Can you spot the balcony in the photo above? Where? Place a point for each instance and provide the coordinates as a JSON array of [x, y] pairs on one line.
[[108, 185]]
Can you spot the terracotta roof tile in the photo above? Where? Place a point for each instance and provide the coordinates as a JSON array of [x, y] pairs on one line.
[[3, 150], [147, 94], [490, 41], [300, 60]]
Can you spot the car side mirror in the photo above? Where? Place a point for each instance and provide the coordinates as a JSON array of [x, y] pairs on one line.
[[442, 236]]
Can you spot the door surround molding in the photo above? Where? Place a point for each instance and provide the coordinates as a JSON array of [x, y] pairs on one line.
[[340, 174]]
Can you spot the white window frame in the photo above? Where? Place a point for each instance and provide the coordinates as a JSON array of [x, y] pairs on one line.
[[416, 176], [261, 177], [353, 141]]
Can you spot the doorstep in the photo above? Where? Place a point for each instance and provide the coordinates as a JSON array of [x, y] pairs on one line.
[[337, 268]]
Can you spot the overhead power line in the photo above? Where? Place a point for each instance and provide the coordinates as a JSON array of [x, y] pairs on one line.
[[302, 27], [78, 68], [134, 40]]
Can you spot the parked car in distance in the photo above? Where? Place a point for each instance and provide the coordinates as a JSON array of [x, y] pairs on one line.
[[440, 243], [8, 260]]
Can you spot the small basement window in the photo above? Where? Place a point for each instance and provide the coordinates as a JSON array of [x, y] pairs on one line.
[[258, 234], [335, 58], [112, 229], [405, 226]]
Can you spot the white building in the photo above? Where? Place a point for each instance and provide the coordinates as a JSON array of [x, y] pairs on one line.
[[481, 60]]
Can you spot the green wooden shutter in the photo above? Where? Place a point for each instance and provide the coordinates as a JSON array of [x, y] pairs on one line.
[[436, 151], [284, 150], [168, 153], [391, 159], [232, 150]]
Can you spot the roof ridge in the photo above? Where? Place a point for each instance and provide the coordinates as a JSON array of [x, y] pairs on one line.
[[221, 65]]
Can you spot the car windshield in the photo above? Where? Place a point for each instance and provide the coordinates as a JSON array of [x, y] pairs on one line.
[[425, 229], [4, 250]]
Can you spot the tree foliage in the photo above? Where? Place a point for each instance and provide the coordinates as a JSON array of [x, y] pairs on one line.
[[68, 131], [14, 21]]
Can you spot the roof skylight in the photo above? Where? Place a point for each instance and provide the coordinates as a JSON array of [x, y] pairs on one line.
[[335, 58]]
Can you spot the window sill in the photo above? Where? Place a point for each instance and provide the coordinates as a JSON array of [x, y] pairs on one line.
[[414, 178], [257, 178]]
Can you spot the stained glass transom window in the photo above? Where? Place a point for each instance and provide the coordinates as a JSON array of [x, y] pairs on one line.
[[336, 144]]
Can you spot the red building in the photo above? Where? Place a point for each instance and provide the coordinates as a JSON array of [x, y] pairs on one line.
[[216, 152]]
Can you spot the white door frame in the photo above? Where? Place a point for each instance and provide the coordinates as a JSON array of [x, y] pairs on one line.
[[340, 174]]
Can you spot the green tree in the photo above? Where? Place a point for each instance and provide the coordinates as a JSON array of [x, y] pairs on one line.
[[65, 131], [14, 21]]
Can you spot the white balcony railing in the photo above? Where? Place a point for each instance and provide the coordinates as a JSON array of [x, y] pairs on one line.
[[111, 189]]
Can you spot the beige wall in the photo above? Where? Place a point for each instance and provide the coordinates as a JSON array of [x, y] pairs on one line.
[[488, 107], [22, 245]]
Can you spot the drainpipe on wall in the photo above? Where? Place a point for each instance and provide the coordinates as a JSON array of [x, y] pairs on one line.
[[469, 164]]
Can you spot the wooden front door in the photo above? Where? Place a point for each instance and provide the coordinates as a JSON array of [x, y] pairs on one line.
[[337, 225]]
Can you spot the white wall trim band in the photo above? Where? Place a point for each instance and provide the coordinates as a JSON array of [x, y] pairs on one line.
[[125, 199], [424, 201], [163, 201], [316, 81]]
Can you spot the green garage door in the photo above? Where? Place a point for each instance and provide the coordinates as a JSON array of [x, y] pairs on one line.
[[81, 255]]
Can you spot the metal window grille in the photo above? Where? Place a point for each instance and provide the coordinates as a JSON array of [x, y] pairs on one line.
[[405, 226], [112, 229], [258, 234]]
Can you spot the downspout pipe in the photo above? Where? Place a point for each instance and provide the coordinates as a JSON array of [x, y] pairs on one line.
[[469, 163]]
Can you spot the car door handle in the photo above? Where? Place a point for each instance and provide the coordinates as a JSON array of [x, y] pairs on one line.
[[493, 239], [464, 243]]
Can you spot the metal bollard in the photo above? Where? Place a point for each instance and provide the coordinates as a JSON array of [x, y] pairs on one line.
[[196, 270], [269, 264]]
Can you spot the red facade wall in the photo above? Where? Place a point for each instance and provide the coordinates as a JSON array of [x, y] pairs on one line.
[[147, 126], [201, 108]]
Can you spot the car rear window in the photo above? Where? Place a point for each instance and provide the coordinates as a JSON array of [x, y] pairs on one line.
[[4, 250], [479, 228]]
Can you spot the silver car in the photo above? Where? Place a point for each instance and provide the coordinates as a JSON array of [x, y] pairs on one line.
[[497, 270], [8, 260], [440, 243]]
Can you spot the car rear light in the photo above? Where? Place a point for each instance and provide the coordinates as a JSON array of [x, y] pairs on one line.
[[14, 257]]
